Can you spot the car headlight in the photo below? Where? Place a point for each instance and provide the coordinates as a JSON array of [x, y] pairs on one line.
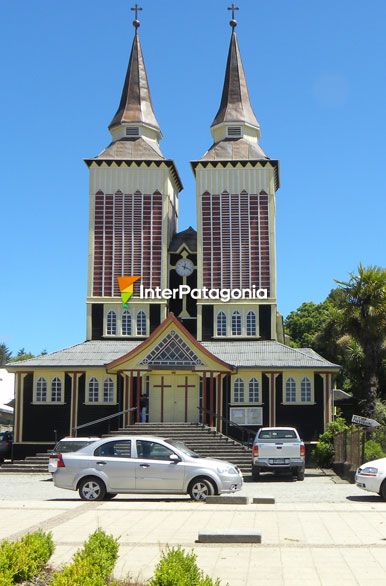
[[226, 470], [368, 471]]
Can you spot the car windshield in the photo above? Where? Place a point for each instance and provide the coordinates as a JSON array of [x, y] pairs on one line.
[[64, 447], [182, 447], [277, 434]]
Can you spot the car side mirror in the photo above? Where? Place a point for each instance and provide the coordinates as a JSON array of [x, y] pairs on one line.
[[174, 458]]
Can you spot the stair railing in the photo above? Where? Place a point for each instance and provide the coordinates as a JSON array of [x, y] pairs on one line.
[[247, 435], [101, 419]]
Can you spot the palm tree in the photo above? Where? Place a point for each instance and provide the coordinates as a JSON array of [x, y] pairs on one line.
[[363, 306]]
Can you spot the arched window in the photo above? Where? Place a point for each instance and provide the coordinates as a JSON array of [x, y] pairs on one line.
[[93, 390], [253, 390], [221, 324], [238, 390], [290, 391], [141, 323], [236, 324], [108, 391], [251, 323], [111, 323], [305, 390], [126, 323], [56, 390], [41, 390]]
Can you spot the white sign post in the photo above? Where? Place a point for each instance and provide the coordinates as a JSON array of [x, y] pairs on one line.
[[364, 421]]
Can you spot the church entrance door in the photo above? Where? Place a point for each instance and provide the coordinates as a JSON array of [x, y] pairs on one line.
[[173, 398]]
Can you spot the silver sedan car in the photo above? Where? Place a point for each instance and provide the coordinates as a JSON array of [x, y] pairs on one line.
[[143, 464]]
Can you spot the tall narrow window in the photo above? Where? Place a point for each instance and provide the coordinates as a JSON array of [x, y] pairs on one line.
[[290, 391], [56, 390], [93, 390], [221, 324], [141, 323], [126, 323], [108, 391], [111, 323], [253, 390], [236, 324], [41, 390], [251, 323], [238, 390], [305, 390]]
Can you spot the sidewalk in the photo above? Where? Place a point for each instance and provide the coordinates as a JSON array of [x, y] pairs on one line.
[[304, 543]]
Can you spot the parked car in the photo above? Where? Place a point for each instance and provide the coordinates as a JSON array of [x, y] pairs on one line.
[[143, 464], [278, 449], [372, 477], [65, 445], [6, 439]]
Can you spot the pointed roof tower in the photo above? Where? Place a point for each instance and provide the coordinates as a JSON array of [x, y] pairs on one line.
[[235, 129], [136, 106]]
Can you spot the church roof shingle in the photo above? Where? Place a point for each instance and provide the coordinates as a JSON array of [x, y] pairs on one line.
[[259, 354]]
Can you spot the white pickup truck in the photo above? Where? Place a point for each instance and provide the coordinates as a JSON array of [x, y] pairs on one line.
[[278, 449]]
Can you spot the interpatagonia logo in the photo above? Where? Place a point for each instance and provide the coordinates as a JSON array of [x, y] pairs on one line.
[[126, 287]]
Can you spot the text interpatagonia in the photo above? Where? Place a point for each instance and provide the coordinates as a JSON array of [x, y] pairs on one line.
[[182, 291]]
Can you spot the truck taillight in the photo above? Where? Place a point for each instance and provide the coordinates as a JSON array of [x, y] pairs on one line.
[[255, 451], [60, 463], [302, 450]]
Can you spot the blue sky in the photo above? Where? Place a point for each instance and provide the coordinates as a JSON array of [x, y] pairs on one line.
[[316, 75]]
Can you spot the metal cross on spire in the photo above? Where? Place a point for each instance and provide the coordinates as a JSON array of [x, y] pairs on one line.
[[136, 9], [233, 21]]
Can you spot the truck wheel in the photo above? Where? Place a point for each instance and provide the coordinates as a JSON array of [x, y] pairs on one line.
[[300, 474], [255, 473], [382, 492]]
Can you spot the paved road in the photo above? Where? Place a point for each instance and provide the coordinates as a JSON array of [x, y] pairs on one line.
[[317, 487], [320, 532]]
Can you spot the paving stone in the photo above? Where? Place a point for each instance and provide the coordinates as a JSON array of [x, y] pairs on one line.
[[230, 536]]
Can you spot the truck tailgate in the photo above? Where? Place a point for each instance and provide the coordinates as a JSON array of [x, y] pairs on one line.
[[279, 449]]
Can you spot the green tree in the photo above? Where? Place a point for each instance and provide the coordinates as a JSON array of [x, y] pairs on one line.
[[5, 354], [307, 321], [363, 308], [22, 355]]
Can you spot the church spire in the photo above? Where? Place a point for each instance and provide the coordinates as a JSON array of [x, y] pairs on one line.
[[135, 107], [235, 107]]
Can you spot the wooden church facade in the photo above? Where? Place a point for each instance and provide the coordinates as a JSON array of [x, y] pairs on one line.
[[197, 359]]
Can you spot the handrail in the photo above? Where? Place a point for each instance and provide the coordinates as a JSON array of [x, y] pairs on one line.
[[104, 418], [228, 422]]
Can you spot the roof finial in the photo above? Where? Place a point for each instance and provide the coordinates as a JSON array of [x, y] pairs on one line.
[[136, 9], [233, 22]]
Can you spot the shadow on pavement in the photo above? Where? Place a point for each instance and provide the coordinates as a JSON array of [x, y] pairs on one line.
[[365, 499], [127, 500]]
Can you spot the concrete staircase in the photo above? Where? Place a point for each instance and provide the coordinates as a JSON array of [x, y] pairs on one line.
[[31, 465], [205, 441]]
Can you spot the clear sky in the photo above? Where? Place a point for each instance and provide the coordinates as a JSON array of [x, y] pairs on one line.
[[316, 76]]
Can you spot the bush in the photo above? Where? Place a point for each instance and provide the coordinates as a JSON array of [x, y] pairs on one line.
[[178, 568], [24, 559], [92, 565], [373, 451], [323, 454]]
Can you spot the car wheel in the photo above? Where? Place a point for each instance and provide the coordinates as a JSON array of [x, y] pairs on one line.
[[201, 488], [382, 492], [92, 489], [300, 474], [255, 473], [110, 495]]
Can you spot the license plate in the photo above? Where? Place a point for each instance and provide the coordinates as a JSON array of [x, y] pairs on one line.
[[278, 461]]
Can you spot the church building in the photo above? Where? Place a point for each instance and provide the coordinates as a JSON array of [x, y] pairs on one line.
[[186, 318]]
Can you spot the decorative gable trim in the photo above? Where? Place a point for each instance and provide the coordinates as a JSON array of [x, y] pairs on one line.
[[172, 351]]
